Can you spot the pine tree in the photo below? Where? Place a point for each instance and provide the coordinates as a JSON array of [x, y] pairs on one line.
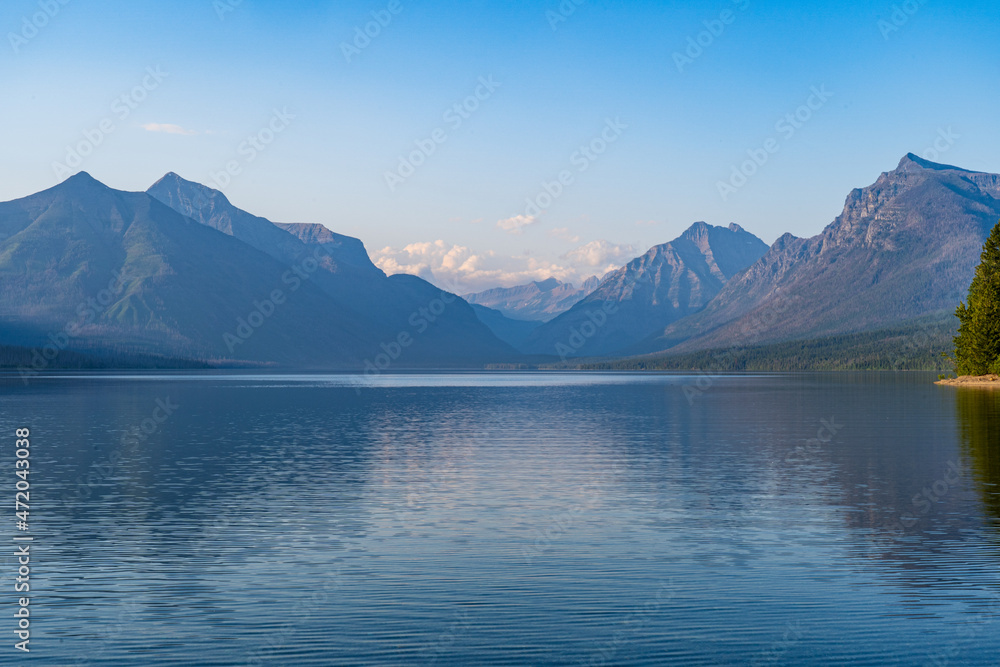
[[977, 346]]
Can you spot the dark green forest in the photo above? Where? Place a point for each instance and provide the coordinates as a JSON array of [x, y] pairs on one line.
[[28, 359], [917, 347]]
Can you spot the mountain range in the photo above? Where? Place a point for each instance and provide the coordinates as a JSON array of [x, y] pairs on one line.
[[179, 272], [904, 247]]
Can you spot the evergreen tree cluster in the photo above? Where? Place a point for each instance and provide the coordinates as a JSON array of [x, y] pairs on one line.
[[977, 345]]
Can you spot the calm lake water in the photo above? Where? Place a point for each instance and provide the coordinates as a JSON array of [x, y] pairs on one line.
[[510, 519]]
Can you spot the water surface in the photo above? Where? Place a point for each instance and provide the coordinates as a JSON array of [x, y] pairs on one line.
[[513, 519]]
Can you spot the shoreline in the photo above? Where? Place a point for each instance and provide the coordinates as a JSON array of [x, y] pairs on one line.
[[987, 381]]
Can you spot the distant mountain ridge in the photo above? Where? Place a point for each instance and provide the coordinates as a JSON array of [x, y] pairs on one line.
[[540, 300]]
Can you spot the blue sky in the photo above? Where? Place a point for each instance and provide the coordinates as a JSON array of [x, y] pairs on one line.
[[929, 72]]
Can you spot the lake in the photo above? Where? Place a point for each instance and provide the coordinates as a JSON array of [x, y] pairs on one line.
[[506, 519]]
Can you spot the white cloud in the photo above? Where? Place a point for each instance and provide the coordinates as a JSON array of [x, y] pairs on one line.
[[601, 253], [167, 128], [516, 224], [459, 269]]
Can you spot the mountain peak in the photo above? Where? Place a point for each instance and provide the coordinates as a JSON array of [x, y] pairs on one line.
[[668, 282], [865, 271], [171, 177], [591, 283], [172, 181], [697, 233], [912, 163], [701, 232], [82, 178], [547, 285], [79, 183]]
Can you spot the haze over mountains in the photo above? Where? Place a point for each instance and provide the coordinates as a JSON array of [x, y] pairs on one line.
[[180, 272], [540, 300]]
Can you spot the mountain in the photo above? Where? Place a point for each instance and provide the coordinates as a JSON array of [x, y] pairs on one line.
[[287, 243], [387, 306], [904, 247], [665, 284], [88, 268], [536, 301], [590, 284]]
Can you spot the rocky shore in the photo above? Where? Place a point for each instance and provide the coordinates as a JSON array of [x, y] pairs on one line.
[[991, 381]]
